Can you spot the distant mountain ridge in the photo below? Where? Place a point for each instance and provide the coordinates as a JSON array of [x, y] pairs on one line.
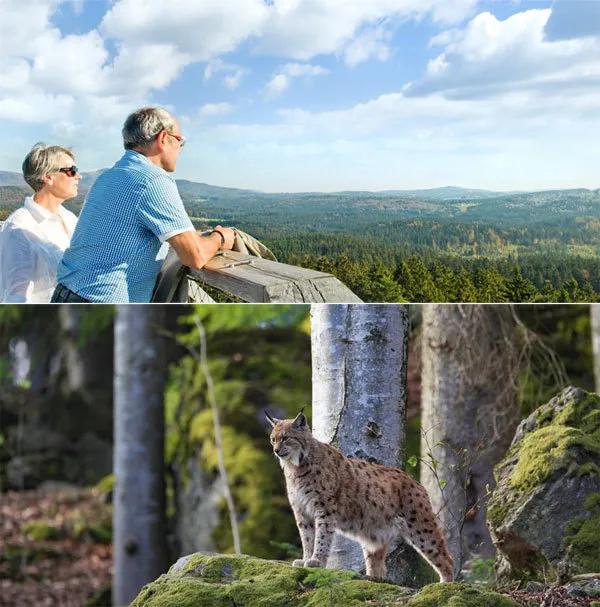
[[352, 208], [186, 186]]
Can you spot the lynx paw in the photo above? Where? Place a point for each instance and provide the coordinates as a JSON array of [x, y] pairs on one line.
[[312, 563], [298, 563]]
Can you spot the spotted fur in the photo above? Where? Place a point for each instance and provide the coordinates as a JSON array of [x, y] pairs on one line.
[[367, 502]]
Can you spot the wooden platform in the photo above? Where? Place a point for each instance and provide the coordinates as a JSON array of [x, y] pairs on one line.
[[257, 280]]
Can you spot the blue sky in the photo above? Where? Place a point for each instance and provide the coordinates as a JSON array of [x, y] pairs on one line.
[[305, 95]]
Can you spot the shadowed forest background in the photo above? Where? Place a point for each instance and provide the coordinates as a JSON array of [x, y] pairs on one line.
[[56, 429]]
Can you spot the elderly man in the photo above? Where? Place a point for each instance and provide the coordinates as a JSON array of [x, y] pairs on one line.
[[130, 212]]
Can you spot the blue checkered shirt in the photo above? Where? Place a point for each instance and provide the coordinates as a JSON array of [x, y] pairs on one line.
[[119, 244]]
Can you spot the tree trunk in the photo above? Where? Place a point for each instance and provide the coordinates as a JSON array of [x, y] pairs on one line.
[[469, 411], [359, 390], [595, 318], [139, 498]]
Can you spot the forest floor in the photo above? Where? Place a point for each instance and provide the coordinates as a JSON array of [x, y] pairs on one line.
[[553, 596], [54, 547], [55, 552]]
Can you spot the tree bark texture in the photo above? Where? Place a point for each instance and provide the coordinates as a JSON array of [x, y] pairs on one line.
[[469, 411], [595, 318], [139, 498], [359, 355]]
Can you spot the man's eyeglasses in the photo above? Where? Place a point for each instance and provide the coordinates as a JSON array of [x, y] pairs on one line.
[[69, 171], [179, 138]]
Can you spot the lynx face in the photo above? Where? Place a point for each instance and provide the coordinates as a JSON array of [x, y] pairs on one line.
[[288, 439]]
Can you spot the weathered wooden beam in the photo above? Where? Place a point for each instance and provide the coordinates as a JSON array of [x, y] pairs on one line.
[[254, 279]]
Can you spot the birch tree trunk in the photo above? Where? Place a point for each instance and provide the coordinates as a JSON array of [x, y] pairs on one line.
[[139, 498], [359, 355], [469, 411], [595, 318]]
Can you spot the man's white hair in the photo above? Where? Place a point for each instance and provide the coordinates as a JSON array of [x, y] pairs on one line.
[[142, 126]]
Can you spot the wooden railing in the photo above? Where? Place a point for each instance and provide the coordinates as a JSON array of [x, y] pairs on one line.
[[253, 279]]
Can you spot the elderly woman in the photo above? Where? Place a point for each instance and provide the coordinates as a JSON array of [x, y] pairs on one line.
[[34, 237]]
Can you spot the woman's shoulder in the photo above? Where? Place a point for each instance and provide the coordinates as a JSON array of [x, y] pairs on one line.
[[19, 229], [19, 218]]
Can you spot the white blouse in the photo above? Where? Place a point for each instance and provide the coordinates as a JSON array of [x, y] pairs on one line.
[[32, 242]]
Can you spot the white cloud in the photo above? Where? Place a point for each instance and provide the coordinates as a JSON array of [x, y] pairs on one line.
[[302, 29], [214, 109], [20, 31], [233, 73], [36, 107], [232, 81], [14, 74], [286, 73], [146, 67], [155, 40], [373, 42], [277, 84], [70, 64], [303, 69], [202, 30], [490, 57]]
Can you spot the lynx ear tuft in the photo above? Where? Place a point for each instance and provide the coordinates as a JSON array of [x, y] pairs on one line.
[[272, 420], [300, 420]]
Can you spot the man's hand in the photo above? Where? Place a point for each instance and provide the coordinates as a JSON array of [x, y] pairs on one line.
[[194, 249], [229, 236]]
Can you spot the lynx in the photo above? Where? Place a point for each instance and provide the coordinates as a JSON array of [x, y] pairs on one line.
[[367, 502]]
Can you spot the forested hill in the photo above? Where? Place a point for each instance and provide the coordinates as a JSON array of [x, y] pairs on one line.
[[341, 209]]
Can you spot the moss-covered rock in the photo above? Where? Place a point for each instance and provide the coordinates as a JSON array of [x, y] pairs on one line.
[[459, 595], [203, 580], [543, 516], [224, 581]]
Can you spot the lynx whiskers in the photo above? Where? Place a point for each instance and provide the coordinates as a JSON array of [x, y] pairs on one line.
[[367, 502]]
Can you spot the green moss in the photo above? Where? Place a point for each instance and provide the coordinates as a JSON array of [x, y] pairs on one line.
[[106, 484], [546, 450], [582, 537], [553, 446], [317, 578], [497, 511], [166, 592], [588, 468], [356, 593], [584, 415], [544, 415], [91, 525], [458, 595], [98, 533], [224, 580], [41, 531], [592, 502]]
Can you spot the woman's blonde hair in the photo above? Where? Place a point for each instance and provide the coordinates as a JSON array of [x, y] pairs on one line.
[[41, 160]]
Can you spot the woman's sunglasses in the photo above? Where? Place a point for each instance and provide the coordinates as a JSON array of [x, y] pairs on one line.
[[70, 171]]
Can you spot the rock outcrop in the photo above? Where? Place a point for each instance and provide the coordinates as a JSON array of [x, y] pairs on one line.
[[218, 580], [544, 515]]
